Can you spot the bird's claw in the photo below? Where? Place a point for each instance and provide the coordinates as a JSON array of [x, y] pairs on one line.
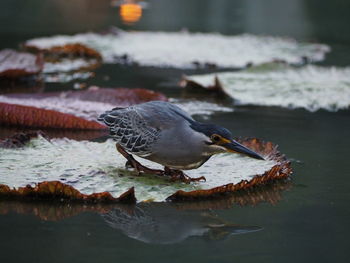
[[177, 175]]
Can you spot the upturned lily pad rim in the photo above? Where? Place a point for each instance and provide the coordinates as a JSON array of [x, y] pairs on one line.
[[18, 115]]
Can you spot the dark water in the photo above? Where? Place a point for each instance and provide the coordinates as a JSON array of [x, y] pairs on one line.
[[308, 222]]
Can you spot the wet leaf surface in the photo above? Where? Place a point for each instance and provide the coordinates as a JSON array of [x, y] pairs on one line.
[[188, 50], [310, 87], [282, 170], [15, 64]]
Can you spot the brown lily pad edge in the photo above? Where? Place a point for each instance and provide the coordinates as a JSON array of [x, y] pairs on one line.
[[17, 65], [74, 50], [16, 115], [55, 190]]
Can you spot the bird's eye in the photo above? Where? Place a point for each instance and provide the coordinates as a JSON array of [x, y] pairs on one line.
[[215, 138]]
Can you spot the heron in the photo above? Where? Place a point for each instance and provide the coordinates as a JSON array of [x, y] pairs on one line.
[[163, 133]]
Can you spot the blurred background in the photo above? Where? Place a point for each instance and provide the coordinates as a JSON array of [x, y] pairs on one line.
[[325, 21], [312, 20]]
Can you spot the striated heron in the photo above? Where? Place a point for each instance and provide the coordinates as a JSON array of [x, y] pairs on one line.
[[163, 133]]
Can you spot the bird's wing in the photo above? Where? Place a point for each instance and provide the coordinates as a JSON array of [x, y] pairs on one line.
[[138, 127], [131, 130]]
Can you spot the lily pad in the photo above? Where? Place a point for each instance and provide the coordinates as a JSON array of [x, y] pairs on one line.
[[68, 110], [57, 190], [188, 50], [310, 87], [27, 116], [71, 50], [91, 167], [80, 109], [15, 64], [65, 70]]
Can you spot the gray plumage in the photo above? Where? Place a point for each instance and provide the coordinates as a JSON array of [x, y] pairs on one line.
[[158, 131]]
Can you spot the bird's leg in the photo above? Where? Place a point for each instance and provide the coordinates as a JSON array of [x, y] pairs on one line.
[[128, 164], [137, 166], [177, 175]]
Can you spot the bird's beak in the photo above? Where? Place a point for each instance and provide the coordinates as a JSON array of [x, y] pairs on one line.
[[236, 147]]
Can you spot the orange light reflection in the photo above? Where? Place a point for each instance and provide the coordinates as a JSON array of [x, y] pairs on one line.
[[130, 13]]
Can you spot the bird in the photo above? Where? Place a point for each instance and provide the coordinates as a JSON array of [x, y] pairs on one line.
[[163, 133]]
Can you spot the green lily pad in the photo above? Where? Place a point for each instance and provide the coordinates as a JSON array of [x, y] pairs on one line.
[[93, 167], [310, 87]]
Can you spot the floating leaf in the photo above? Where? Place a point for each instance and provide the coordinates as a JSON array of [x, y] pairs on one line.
[[93, 167], [310, 87], [68, 65], [56, 190], [27, 116], [188, 50], [65, 70], [86, 105], [66, 50], [270, 193], [15, 64], [203, 108], [68, 110]]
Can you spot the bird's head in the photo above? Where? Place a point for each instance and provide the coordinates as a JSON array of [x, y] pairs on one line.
[[219, 139]]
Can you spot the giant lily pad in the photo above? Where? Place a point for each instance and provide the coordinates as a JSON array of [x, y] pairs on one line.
[[310, 87], [70, 50], [65, 70], [68, 110], [80, 109], [68, 62], [91, 167], [187, 50]]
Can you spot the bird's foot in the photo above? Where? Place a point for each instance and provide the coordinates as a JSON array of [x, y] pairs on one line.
[[177, 175], [132, 163]]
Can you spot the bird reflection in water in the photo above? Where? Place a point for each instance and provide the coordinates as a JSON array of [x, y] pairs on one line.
[[161, 223]]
